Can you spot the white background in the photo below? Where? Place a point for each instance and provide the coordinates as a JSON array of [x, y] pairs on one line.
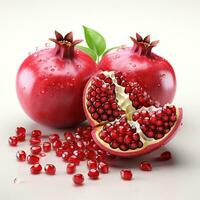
[[24, 25]]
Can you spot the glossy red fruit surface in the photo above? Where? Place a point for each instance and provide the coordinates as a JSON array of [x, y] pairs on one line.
[[36, 169], [78, 179], [103, 167], [153, 72], [126, 121], [126, 174], [50, 169], [21, 155], [50, 83]]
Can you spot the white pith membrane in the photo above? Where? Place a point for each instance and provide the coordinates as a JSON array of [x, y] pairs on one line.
[[125, 104]]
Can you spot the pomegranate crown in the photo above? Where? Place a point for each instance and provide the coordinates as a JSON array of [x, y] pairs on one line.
[[64, 45], [143, 46]]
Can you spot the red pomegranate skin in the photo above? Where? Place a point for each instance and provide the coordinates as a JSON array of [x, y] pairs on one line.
[[153, 72], [50, 88]]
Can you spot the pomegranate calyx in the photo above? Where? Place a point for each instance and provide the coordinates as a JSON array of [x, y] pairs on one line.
[[64, 45], [143, 46]]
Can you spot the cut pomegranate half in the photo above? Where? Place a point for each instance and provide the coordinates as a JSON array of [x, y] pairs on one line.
[[125, 119]]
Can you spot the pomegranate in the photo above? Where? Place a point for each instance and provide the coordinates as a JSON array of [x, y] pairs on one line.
[[50, 83], [154, 73], [126, 121]]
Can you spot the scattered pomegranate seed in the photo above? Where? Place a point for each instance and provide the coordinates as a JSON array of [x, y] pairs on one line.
[[57, 144], [36, 133], [80, 154], [50, 169], [126, 174], [13, 140], [59, 151], [32, 159], [36, 149], [65, 156], [69, 136], [103, 168], [71, 168], [93, 173], [164, 156], [145, 166], [74, 159], [53, 137], [46, 146], [34, 141], [91, 164], [78, 179], [21, 155], [36, 169], [21, 134]]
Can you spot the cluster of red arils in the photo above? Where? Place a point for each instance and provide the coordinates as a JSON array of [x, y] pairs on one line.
[[75, 147]]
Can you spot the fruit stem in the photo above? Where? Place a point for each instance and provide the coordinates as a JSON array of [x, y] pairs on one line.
[[142, 46], [65, 45]]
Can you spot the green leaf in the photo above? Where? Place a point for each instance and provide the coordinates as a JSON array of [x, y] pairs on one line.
[[108, 50], [88, 51], [94, 40]]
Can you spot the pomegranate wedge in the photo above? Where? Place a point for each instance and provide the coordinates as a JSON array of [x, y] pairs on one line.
[[126, 121]]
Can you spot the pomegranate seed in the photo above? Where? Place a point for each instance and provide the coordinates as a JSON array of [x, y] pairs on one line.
[[91, 164], [32, 159], [21, 155], [69, 136], [164, 156], [21, 134], [126, 174], [71, 168], [100, 158], [65, 156], [59, 151], [34, 141], [78, 179], [36, 169], [91, 155], [74, 159], [80, 154], [93, 173], [103, 168], [57, 144], [13, 140], [50, 169], [46, 146], [36, 149], [53, 137], [36, 133], [145, 166]]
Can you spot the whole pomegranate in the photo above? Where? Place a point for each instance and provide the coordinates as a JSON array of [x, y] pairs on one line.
[[50, 83], [153, 72], [126, 121]]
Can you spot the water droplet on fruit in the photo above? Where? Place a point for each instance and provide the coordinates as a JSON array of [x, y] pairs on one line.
[[132, 65], [42, 91], [158, 85], [162, 76], [35, 55], [79, 66], [116, 56], [52, 69]]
